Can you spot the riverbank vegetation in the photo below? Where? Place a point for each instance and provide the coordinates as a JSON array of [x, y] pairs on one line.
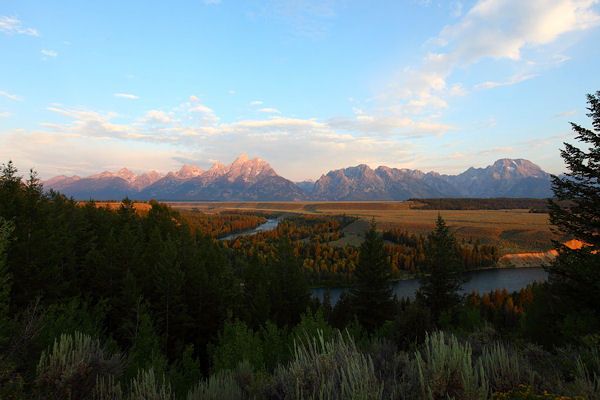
[[98, 303]]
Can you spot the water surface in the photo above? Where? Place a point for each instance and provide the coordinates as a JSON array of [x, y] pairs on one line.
[[267, 226], [511, 279]]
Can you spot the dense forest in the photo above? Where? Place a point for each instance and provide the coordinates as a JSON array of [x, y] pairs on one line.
[[111, 304], [481, 204]]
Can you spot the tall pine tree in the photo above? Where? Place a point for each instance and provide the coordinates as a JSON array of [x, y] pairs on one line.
[[372, 296], [6, 228], [441, 285], [575, 212]]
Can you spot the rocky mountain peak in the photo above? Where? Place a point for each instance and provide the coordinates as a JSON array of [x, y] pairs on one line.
[[243, 158], [189, 171], [126, 174], [248, 170], [507, 167], [217, 169]]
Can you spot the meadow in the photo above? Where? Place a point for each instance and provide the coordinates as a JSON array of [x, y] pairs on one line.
[[513, 231]]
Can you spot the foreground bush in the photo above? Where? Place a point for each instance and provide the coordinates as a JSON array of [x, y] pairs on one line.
[[74, 365], [323, 369], [445, 369]]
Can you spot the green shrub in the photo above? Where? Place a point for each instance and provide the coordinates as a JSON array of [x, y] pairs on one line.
[[587, 375], [219, 386], [71, 368], [145, 386], [236, 343], [107, 389], [321, 369], [504, 368], [445, 369]]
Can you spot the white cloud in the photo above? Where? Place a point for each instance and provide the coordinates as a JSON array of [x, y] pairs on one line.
[[201, 108], [5, 114], [12, 25], [503, 28], [256, 103], [157, 116], [270, 110], [496, 29], [11, 96], [511, 81], [126, 96], [49, 53]]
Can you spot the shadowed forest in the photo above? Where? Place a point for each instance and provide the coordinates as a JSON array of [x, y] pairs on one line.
[[99, 303]]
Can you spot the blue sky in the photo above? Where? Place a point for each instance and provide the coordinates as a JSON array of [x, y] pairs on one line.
[[307, 85]]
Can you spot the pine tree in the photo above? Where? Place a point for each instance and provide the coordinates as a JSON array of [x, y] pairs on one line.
[[440, 287], [289, 287], [575, 212], [371, 298], [6, 228]]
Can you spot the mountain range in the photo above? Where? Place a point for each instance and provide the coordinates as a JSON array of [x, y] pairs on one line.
[[255, 180]]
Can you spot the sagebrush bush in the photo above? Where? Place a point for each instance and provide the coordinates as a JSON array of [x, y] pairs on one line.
[[445, 369], [146, 386], [504, 368], [73, 365], [219, 386], [321, 369], [107, 389], [587, 375]]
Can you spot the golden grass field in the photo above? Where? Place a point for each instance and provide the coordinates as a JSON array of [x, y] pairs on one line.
[[514, 231]]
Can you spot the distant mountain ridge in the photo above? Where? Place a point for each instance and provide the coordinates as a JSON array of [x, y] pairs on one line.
[[254, 180]]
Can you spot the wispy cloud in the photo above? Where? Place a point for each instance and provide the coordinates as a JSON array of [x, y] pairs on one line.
[[5, 114], [565, 114], [12, 25], [511, 81], [270, 110], [256, 103], [11, 96], [49, 53], [126, 96]]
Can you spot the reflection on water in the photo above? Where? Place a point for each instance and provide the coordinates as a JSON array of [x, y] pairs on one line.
[[267, 226], [512, 279]]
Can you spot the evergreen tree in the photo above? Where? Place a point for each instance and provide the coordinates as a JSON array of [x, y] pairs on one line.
[[289, 287], [441, 285], [371, 298], [575, 212], [6, 228]]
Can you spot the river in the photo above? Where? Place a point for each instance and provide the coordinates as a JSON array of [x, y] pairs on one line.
[[484, 281], [511, 279], [266, 226]]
